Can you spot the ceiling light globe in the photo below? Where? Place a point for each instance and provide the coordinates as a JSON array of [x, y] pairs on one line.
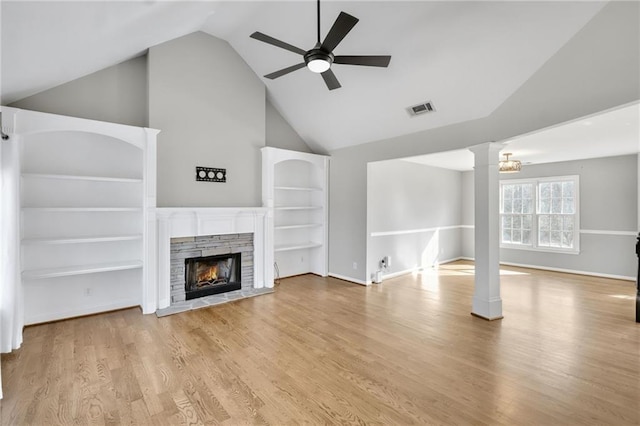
[[318, 65]]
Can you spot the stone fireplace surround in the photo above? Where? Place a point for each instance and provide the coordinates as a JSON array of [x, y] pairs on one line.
[[180, 223], [209, 245]]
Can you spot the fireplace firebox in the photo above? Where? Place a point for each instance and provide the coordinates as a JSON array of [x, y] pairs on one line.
[[212, 275]]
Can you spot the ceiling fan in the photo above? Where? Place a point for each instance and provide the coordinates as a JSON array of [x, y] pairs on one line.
[[320, 57]]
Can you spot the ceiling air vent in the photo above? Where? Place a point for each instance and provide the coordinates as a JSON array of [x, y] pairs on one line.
[[422, 108]]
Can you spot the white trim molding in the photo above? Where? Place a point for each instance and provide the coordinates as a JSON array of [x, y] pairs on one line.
[[606, 232], [194, 222], [570, 271], [419, 231], [419, 268], [352, 280], [582, 231], [567, 271]]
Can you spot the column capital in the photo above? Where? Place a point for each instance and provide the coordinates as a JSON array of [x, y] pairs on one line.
[[486, 153]]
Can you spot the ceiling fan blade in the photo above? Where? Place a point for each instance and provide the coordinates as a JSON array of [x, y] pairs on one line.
[[368, 61], [341, 27], [275, 42], [284, 71], [330, 79]]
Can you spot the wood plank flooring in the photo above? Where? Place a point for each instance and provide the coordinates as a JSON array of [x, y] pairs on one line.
[[324, 351]]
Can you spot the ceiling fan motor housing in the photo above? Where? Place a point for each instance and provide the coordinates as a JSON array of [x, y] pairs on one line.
[[318, 54]]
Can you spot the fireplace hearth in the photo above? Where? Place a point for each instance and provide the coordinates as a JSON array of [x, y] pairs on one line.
[[209, 275]]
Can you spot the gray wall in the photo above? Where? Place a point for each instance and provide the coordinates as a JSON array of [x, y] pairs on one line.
[[404, 196], [117, 94], [191, 102], [468, 206], [608, 202], [280, 134], [210, 107], [596, 70]]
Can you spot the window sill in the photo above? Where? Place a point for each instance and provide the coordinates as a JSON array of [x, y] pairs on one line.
[[539, 249]]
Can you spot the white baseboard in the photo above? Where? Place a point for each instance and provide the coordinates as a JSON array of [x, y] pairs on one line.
[[73, 313], [471, 259], [567, 271], [571, 271], [353, 280], [411, 271]]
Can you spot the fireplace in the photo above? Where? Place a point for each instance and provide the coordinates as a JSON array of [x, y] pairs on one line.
[[212, 275]]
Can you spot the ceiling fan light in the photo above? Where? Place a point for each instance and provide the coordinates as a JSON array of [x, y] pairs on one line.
[[318, 65]]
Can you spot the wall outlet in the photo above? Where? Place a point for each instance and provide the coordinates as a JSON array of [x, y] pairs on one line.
[[87, 291], [355, 265], [301, 259]]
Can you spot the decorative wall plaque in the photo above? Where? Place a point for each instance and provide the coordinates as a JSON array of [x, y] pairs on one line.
[[210, 174]]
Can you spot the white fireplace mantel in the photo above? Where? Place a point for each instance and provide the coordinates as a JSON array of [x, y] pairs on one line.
[[194, 222]]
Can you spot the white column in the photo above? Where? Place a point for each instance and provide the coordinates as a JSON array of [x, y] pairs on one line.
[[164, 263], [487, 303]]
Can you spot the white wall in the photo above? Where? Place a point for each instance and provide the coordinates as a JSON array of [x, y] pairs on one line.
[[210, 107], [596, 70], [417, 209], [117, 94]]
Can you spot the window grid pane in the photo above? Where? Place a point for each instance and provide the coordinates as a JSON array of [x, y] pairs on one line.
[[554, 231], [554, 205], [516, 228]]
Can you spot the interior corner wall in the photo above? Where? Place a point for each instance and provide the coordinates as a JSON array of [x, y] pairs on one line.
[[280, 134], [608, 217], [596, 70], [414, 215], [210, 107], [117, 94], [468, 236]]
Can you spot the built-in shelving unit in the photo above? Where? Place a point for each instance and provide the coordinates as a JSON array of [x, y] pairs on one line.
[[295, 187], [85, 189]]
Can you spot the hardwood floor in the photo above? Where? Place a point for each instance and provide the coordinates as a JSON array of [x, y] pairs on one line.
[[323, 351]]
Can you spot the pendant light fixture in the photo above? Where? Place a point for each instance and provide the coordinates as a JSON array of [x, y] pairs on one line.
[[509, 166]]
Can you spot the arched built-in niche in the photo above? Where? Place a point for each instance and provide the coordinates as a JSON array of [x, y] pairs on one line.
[[295, 186]]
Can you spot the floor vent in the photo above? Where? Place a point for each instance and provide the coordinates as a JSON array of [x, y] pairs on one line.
[[422, 108]]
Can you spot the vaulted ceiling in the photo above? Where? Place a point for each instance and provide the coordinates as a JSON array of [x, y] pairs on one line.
[[465, 57]]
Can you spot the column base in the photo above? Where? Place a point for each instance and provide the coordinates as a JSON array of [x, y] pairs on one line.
[[487, 309], [485, 318]]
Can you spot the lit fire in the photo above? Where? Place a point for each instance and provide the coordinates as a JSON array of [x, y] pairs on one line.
[[209, 275]]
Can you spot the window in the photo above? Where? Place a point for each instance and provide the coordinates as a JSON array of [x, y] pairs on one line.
[[540, 214]]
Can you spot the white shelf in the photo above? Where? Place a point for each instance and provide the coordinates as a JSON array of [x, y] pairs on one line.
[[296, 188], [298, 207], [296, 246], [80, 240], [306, 225], [80, 270], [80, 177], [84, 209], [296, 185]]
